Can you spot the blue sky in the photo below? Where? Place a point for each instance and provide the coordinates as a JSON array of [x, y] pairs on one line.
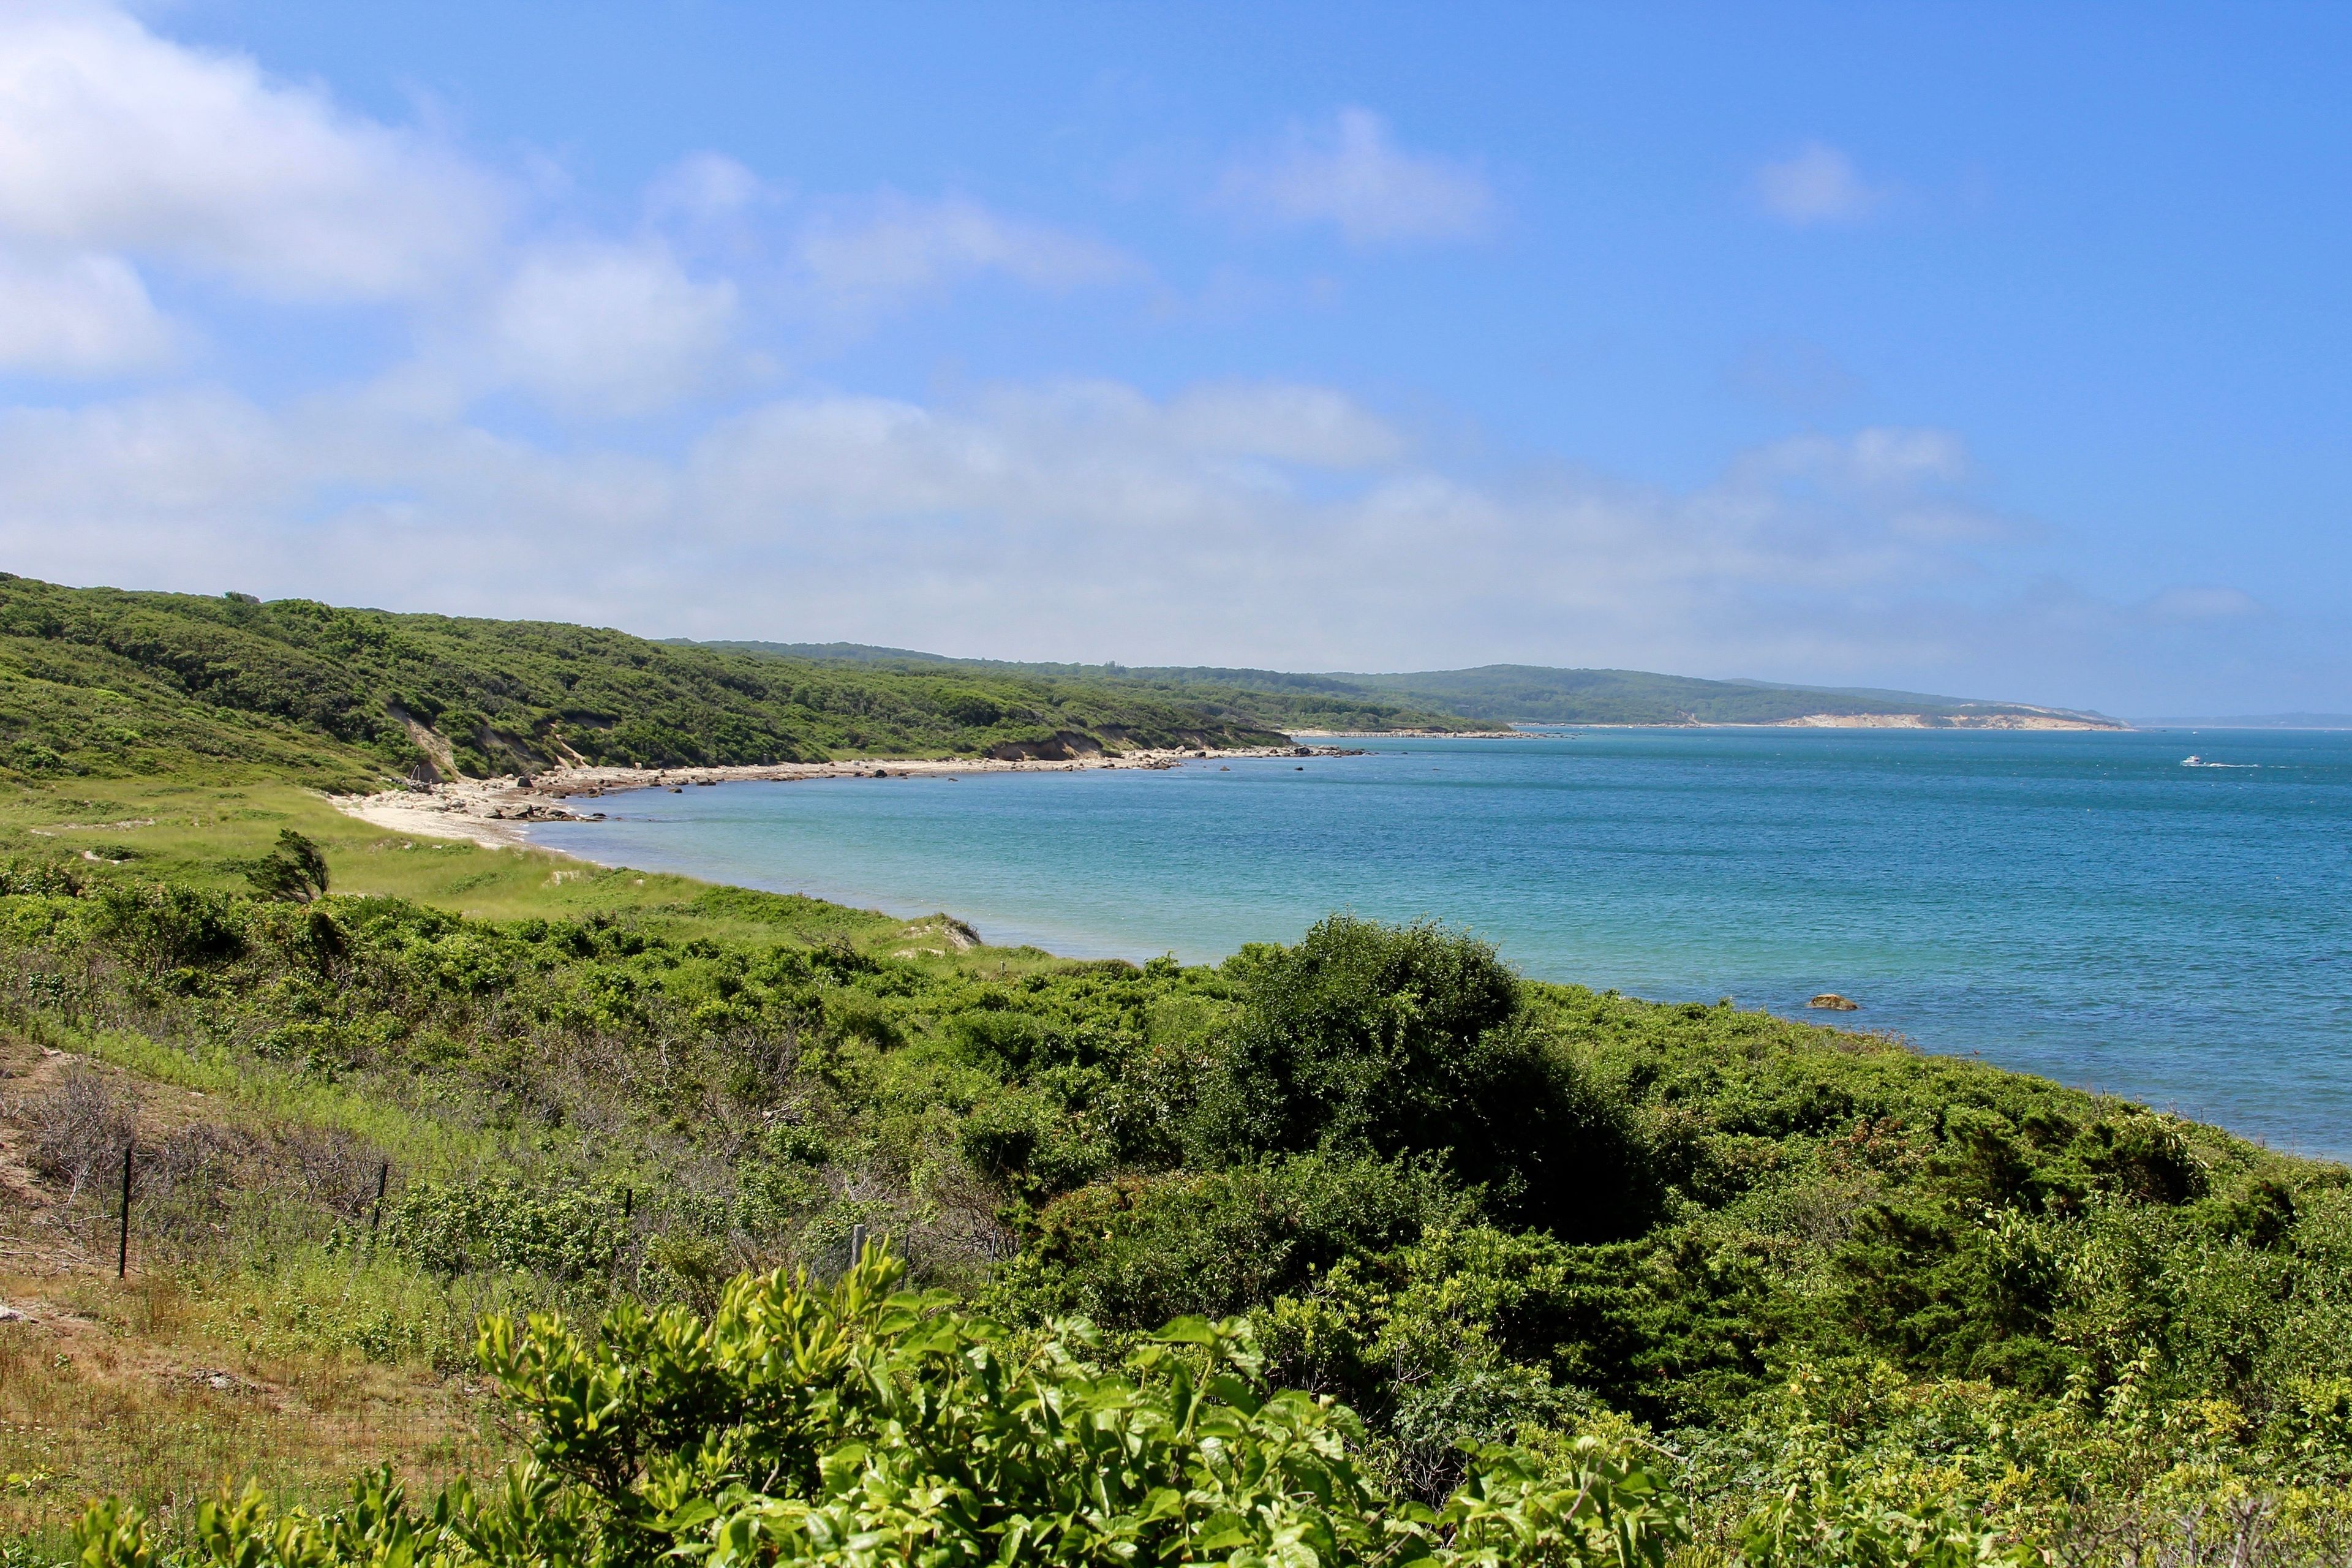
[[1976, 349]]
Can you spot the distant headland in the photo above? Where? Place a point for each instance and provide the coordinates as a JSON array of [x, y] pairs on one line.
[[1443, 701]]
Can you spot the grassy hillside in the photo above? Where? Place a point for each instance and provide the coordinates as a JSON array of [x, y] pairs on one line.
[[1456, 698], [99, 682]]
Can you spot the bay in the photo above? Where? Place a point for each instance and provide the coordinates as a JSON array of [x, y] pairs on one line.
[[2075, 904]]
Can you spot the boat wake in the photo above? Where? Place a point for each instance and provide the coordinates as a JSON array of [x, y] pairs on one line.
[[2202, 762]]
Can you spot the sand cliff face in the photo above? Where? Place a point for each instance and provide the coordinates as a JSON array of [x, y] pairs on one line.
[[1949, 722]]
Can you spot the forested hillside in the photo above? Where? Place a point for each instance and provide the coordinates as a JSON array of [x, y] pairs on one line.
[[93, 680], [1268, 697], [1448, 698]]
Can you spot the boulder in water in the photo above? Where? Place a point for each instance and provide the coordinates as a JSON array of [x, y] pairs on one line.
[[1835, 1003]]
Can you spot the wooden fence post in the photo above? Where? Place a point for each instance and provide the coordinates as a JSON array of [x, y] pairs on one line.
[[856, 1245], [375, 1220]]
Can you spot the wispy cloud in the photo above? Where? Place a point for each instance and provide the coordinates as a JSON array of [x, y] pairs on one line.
[[1351, 173], [78, 315], [1279, 522], [609, 329], [705, 187], [1817, 184], [863, 255], [2202, 603]]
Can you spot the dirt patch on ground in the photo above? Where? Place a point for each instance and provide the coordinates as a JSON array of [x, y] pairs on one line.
[[39, 1234]]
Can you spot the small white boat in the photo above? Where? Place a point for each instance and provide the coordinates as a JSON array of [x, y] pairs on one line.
[[2192, 761]]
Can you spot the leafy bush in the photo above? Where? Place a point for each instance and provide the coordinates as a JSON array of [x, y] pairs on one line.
[[1395, 1040], [1130, 1254], [295, 871], [169, 925], [2033, 1270], [860, 1425], [460, 1227]]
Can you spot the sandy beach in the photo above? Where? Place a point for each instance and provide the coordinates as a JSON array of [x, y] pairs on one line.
[[496, 812]]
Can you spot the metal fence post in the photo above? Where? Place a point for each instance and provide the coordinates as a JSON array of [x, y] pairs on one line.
[[122, 1247], [621, 1237]]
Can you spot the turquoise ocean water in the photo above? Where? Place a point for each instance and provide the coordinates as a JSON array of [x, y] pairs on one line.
[[2074, 904]]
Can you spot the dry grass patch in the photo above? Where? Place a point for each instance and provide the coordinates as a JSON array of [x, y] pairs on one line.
[[131, 1389]]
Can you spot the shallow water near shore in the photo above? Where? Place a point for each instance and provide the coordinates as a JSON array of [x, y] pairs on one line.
[[2079, 905]]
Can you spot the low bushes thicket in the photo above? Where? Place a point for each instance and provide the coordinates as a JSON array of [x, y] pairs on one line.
[[1856, 1303]]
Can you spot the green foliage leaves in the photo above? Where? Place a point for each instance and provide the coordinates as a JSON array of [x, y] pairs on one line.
[[169, 926], [458, 1228], [1475, 1211], [1340, 1026], [1130, 1253], [1397, 1040], [861, 1425], [295, 871]]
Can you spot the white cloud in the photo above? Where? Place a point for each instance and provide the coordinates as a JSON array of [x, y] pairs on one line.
[[78, 315], [1906, 485], [1028, 463], [2201, 603], [1277, 525], [1351, 174], [1308, 425], [1268, 523], [114, 140], [1817, 183], [705, 187], [605, 329], [125, 156], [1871, 460], [867, 254]]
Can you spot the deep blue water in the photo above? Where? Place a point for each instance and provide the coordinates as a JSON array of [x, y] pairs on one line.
[[2074, 904]]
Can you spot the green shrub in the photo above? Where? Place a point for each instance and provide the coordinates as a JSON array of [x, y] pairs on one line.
[[858, 1425], [1418, 1040], [461, 1227], [1129, 1254], [295, 871], [169, 925]]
